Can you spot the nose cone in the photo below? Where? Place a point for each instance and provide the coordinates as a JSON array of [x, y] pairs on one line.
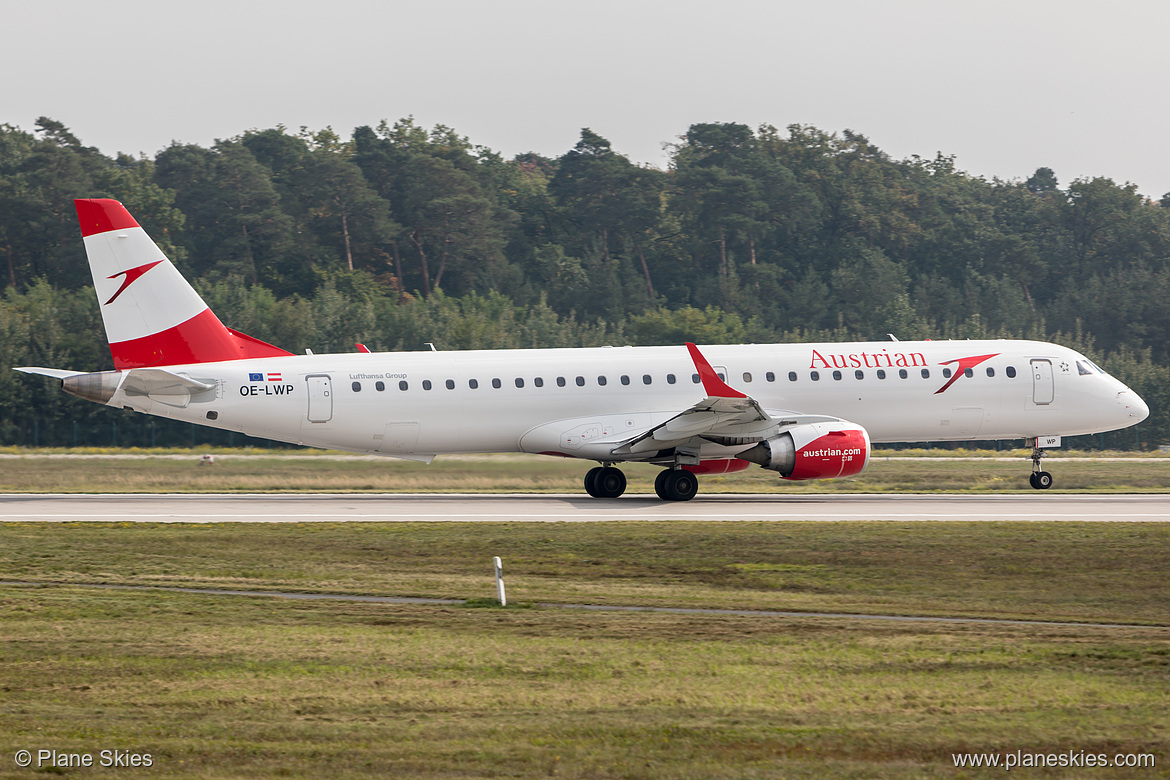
[[1135, 408]]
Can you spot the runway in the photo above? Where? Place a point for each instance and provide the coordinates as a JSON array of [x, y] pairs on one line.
[[397, 507]]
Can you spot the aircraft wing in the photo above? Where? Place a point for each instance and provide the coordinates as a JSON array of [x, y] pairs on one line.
[[726, 416]]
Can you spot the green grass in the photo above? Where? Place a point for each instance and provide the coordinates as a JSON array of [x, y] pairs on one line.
[[171, 472], [1115, 572], [258, 687], [239, 687]]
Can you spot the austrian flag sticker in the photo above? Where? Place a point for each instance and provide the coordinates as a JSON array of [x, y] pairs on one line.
[[274, 378]]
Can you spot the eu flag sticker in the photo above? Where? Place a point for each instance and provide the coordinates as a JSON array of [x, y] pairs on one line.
[[255, 377]]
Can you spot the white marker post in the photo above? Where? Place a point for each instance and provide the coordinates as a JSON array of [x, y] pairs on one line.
[[500, 581]]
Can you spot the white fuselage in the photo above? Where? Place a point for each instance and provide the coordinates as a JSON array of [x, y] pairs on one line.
[[560, 401]]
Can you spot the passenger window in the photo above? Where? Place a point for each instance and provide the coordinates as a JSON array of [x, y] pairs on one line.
[[625, 379], [814, 376], [538, 381], [601, 381], [450, 384], [580, 381], [967, 372], [695, 378], [881, 373], [990, 371], [946, 373], [670, 379], [379, 386], [837, 375], [747, 377], [791, 376], [560, 381], [519, 382], [402, 385], [770, 377], [357, 387], [426, 384], [902, 373], [473, 383], [496, 383], [859, 374], [647, 379], [926, 373], [1011, 372]]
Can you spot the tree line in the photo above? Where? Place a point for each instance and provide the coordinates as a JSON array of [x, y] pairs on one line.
[[398, 235]]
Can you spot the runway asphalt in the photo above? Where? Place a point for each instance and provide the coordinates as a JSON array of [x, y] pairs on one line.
[[366, 507]]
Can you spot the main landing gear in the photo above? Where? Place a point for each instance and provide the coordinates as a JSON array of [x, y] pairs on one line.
[[605, 482], [676, 485], [1040, 480], [670, 485]]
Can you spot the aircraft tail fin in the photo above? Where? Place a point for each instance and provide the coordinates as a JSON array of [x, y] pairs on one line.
[[152, 315]]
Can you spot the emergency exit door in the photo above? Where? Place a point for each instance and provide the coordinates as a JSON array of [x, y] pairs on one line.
[[320, 398], [1042, 390]]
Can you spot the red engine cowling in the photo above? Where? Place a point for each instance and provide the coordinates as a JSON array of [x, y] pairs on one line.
[[814, 451]]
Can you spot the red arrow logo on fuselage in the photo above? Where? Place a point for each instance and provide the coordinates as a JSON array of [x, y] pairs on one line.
[[131, 276], [964, 364]]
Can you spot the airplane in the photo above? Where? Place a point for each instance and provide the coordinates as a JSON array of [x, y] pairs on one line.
[[805, 411]]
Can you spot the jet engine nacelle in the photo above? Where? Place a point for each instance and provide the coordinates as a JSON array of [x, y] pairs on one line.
[[814, 451]]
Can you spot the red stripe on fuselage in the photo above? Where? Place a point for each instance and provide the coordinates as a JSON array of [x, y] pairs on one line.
[[101, 215], [201, 339]]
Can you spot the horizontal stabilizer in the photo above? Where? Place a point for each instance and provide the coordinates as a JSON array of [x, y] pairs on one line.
[[56, 373], [164, 386], [157, 381]]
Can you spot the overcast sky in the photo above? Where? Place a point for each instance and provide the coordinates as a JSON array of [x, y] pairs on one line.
[[1006, 86]]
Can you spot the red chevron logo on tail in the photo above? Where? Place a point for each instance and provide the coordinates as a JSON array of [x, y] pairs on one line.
[[131, 277]]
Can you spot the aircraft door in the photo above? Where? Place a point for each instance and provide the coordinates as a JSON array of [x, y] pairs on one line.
[[320, 398], [1042, 389]]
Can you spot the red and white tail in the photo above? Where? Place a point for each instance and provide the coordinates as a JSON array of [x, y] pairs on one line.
[[153, 317]]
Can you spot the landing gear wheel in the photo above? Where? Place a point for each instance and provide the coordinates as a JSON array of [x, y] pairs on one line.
[[676, 485], [605, 482], [1040, 480], [609, 483], [591, 481], [660, 484]]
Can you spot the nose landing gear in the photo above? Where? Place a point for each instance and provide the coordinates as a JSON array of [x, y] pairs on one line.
[[1040, 480]]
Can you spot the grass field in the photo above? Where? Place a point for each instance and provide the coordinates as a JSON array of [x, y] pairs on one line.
[[258, 687], [261, 471]]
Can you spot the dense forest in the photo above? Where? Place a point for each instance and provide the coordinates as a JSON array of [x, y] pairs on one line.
[[399, 235]]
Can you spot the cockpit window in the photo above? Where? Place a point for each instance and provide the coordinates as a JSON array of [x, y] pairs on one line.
[[1086, 367]]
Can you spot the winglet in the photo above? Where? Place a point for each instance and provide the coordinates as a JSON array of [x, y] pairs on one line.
[[362, 347], [712, 384]]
